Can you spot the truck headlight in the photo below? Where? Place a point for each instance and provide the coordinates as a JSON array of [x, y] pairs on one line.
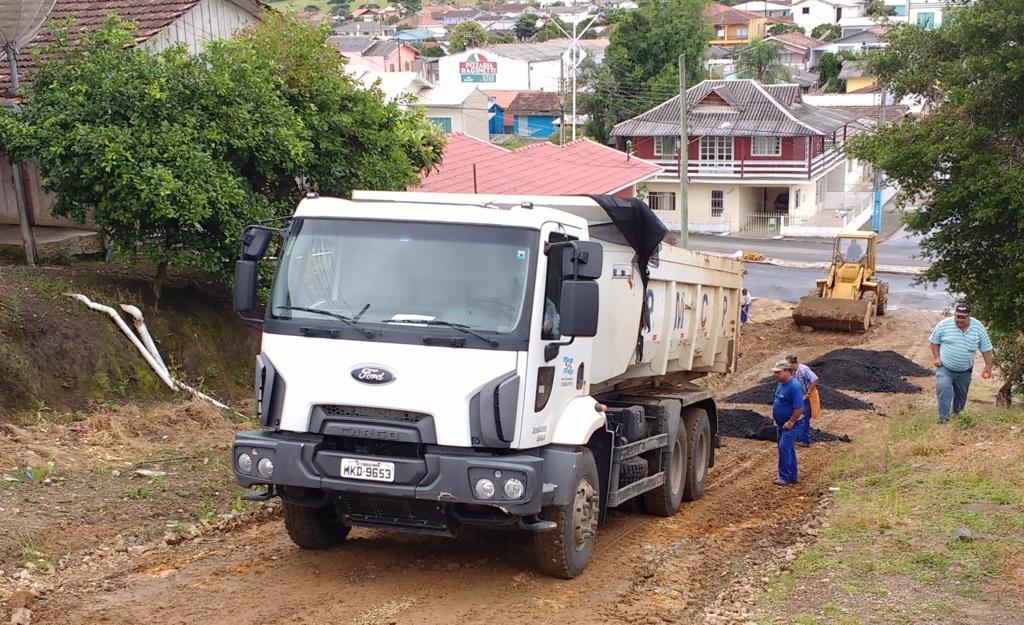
[[483, 489], [265, 467], [244, 463], [513, 488]]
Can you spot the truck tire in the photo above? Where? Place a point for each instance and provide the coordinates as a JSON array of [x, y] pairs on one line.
[[665, 499], [565, 551], [698, 434], [883, 297], [312, 528]]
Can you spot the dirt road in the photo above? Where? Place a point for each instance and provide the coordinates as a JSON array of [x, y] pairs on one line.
[[645, 569]]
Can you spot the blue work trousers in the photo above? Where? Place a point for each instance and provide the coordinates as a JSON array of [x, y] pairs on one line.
[[803, 426], [951, 388], [787, 453]]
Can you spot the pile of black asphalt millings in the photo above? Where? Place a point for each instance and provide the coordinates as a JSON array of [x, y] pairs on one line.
[[852, 369]]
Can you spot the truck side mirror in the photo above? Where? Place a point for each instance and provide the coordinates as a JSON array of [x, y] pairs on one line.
[[246, 273], [255, 241], [582, 260], [579, 307]]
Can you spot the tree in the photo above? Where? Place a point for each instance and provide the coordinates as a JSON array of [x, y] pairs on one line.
[[550, 29], [641, 68], [964, 160], [829, 66], [780, 28], [827, 32], [878, 8], [526, 26], [762, 61], [465, 36], [181, 151]]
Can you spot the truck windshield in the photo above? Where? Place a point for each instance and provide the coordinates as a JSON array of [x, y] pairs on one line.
[[406, 273]]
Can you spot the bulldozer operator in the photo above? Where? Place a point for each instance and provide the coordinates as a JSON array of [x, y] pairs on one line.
[[853, 252]]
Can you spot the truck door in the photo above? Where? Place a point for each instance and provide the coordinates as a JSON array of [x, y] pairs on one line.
[[551, 384]]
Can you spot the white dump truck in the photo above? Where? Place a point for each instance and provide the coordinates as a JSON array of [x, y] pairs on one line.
[[430, 361]]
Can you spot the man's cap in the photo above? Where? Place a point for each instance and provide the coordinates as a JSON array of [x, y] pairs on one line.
[[781, 365], [792, 358], [962, 310]]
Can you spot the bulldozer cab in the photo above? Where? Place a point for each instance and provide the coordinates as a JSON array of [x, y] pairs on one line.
[[855, 248]]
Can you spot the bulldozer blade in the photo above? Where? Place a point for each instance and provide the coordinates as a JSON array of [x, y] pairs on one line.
[[822, 313]]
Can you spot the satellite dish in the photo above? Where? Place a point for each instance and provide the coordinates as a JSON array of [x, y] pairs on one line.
[[20, 20]]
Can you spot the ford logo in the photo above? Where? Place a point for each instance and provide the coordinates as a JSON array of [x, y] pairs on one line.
[[372, 374]]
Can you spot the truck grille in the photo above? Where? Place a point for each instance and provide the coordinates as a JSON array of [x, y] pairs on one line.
[[410, 514], [367, 412]]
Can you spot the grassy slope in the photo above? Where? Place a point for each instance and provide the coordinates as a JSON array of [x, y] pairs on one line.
[[888, 553]]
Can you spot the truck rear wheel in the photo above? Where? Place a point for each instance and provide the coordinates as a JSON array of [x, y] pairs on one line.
[[312, 528], [698, 434], [665, 499], [883, 297], [565, 551]]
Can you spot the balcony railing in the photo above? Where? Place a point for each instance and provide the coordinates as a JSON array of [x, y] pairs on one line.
[[760, 168]]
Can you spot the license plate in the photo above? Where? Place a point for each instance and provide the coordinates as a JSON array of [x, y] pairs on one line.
[[367, 470]]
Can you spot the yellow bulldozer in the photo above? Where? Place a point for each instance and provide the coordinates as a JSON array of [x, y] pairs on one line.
[[852, 295]]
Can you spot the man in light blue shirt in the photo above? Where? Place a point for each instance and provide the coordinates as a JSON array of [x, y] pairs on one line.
[[955, 341]]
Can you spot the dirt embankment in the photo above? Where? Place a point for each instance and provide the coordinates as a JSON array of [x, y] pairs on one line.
[[148, 561], [57, 356]]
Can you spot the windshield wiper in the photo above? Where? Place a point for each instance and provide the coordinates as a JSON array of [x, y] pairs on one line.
[[351, 322], [448, 324]]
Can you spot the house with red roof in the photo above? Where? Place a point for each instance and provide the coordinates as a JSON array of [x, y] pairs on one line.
[[470, 165], [758, 157], [733, 27]]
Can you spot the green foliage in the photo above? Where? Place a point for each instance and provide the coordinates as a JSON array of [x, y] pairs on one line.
[[432, 51], [762, 61], [172, 154], [641, 66], [526, 26], [827, 32], [497, 38], [965, 158], [878, 8], [407, 7], [779, 28], [552, 28], [465, 36]]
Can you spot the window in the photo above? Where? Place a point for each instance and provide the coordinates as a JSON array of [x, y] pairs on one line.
[[407, 66], [666, 146], [662, 200], [819, 190], [549, 329], [741, 33], [717, 202], [444, 123], [797, 200], [392, 67], [767, 146], [716, 148], [926, 20], [805, 11], [719, 32]]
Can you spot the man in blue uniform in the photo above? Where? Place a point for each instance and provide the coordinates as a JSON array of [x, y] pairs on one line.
[[954, 342], [786, 411]]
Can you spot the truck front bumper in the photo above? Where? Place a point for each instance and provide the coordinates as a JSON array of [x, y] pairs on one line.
[[441, 475]]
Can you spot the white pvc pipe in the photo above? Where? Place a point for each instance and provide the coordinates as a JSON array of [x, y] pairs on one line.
[[160, 371], [147, 339]]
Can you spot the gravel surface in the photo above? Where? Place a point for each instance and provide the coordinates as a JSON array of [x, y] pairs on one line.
[[741, 423]]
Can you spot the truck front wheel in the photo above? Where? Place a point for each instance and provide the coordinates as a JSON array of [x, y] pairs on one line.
[[312, 528], [564, 551]]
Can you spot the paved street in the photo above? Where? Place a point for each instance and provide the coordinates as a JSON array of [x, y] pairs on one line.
[[789, 284]]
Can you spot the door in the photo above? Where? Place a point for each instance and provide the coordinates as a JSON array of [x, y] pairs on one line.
[[551, 384]]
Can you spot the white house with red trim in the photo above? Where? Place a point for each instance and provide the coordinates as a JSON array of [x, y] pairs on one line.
[[760, 158]]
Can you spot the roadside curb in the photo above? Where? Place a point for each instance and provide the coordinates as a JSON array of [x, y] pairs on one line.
[[889, 269]]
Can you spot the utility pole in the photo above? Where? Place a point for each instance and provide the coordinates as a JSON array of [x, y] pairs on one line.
[[876, 213], [561, 101], [684, 159]]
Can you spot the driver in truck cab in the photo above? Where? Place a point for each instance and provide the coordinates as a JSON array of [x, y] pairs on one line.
[[550, 327]]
